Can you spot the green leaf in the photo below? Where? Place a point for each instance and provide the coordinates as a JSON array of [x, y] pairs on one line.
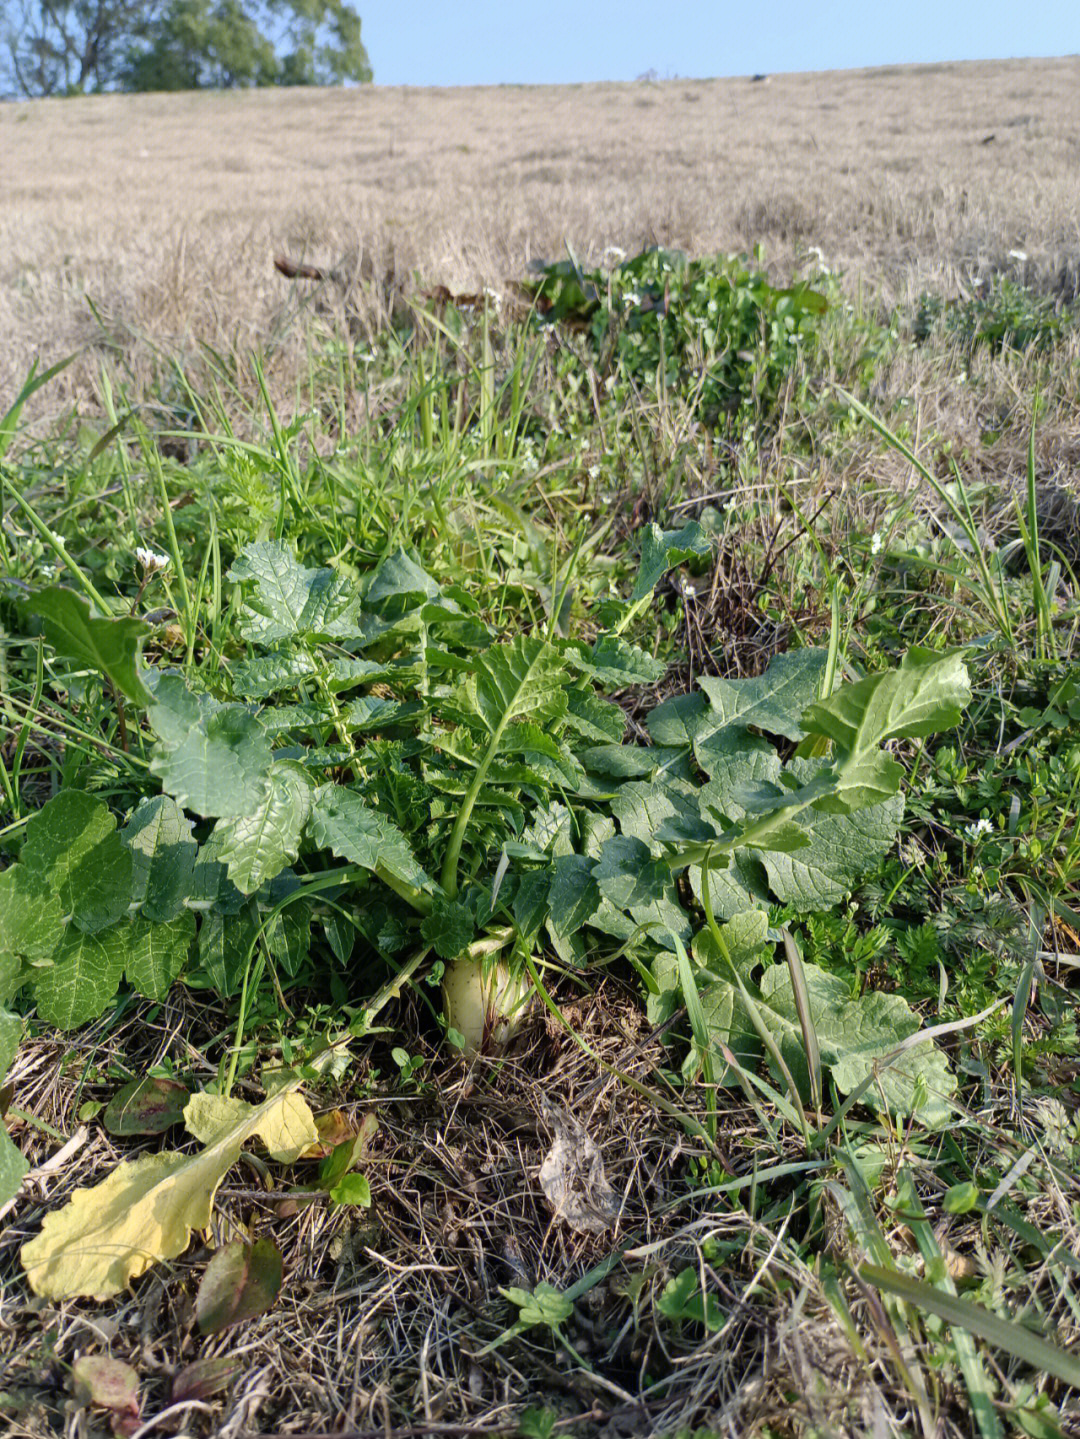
[[156, 953], [594, 718], [398, 584], [662, 550], [853, 1034], [288, 937], [110, 646], [733, 758], [146, 1106], [342, 823], [524, 678], [723, 1012], [842, 848], [163, 854], [224, 945], [627, 874], [574, 895], [774, 701], [679, 720], [83, 976], [352, 1189], [926, 694], [615, 663], [11, 1028], [630, 761], [448, 928], [211, 887], [74, 846], [257, 846], [737, 887], [291, 600], [659, 814], [211, 758], [545, 1305], [12, 1165], [267, 674], [682, 1299], [1006, 1334], [31, 922], [530, 900], [373, 713]]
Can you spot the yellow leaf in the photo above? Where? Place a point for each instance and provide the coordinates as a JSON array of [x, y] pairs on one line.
[[286, 1129], [146, 1209]]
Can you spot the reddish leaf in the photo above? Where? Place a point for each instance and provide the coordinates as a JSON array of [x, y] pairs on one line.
[[146, 1106], [107, 1383], [204, 1378], [241, 1281]]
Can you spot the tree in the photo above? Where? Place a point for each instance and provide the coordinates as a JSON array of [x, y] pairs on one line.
[[61, 47]]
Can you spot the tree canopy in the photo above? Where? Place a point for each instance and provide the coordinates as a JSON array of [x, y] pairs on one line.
[[64, 47]]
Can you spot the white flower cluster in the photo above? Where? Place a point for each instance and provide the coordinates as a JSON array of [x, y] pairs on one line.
[[875, 543], [151, 561], [976, 831]]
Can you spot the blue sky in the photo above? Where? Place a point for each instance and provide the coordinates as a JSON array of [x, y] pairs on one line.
[[500, 42]]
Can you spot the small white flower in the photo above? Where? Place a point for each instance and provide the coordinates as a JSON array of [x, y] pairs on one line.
[[48, 571], [976, 831], [815, 253], [151, 561], [58, 540], [633, 298], [493, 296], [530, 464], [1020, 255], [366, 357], [593, 472], [614, 252], [875, 543], [688, 590], [609, 383]]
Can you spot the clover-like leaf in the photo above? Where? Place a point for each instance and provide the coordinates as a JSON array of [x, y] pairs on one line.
[[111, 646]]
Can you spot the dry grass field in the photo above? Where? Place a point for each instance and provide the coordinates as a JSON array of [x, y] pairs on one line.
[[884, 461], [166, 211]]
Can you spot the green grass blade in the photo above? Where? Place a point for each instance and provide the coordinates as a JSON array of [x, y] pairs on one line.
[[1013, 1338]]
